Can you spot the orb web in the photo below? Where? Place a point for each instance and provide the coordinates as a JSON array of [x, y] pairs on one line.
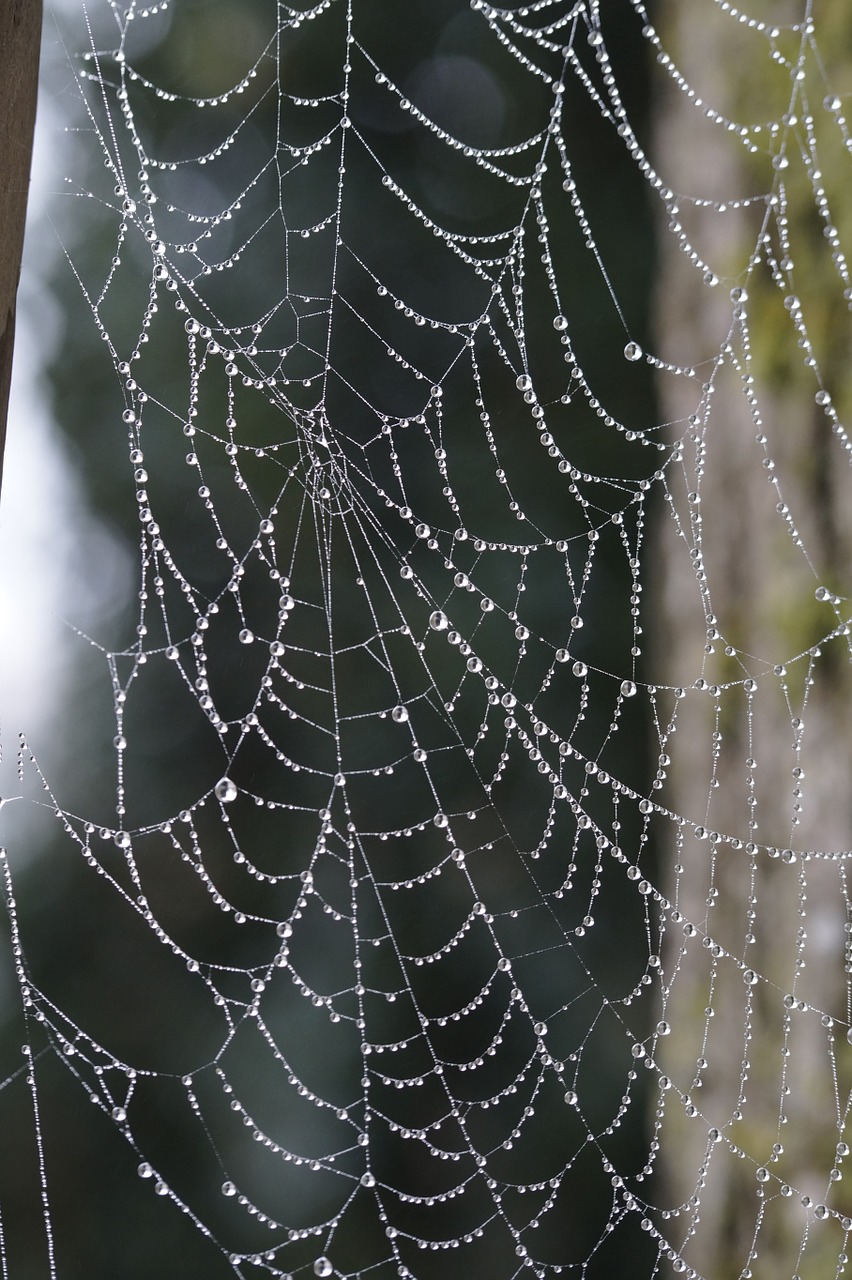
[[467, 896]]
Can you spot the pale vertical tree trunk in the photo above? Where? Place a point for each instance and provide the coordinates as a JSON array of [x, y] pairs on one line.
[[761, 591], [20, 32]]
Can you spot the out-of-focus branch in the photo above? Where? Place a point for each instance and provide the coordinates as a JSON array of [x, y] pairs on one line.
[[20, 33]]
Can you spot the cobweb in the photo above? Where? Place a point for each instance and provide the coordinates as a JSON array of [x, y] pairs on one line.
[[451, 925]]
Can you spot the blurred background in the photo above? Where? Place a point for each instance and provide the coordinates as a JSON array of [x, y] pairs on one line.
[[70, 556]]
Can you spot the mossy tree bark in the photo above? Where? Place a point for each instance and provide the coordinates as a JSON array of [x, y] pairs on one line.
[[767, 1080]]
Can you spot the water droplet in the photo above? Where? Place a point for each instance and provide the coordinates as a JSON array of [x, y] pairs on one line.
[[367, 1180], [762, 1174], [524, 382], [580, 669], [571, 1098], [246, 636], [119, 1115], [663, 1029], [560, 323], [225, 790], [750, 978], [399, 714], [322, 1267], [628, 688], [228, 1189], [633, 351], [438, 621]]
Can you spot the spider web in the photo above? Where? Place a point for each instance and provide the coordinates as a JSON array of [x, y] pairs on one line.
[[449, 924]]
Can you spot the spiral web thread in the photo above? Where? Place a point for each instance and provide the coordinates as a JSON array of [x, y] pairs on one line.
[[414, 859]]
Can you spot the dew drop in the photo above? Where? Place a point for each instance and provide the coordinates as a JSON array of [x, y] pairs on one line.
[[438, 621], [633, 351], [225, 790]]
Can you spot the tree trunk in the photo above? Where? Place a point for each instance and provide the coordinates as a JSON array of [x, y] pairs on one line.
[[771, 523], [20, 32]]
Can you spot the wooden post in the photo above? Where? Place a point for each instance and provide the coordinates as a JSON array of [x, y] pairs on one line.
[[20, 34]]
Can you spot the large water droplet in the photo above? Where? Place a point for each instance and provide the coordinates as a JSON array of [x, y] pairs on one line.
[[225, 790]]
